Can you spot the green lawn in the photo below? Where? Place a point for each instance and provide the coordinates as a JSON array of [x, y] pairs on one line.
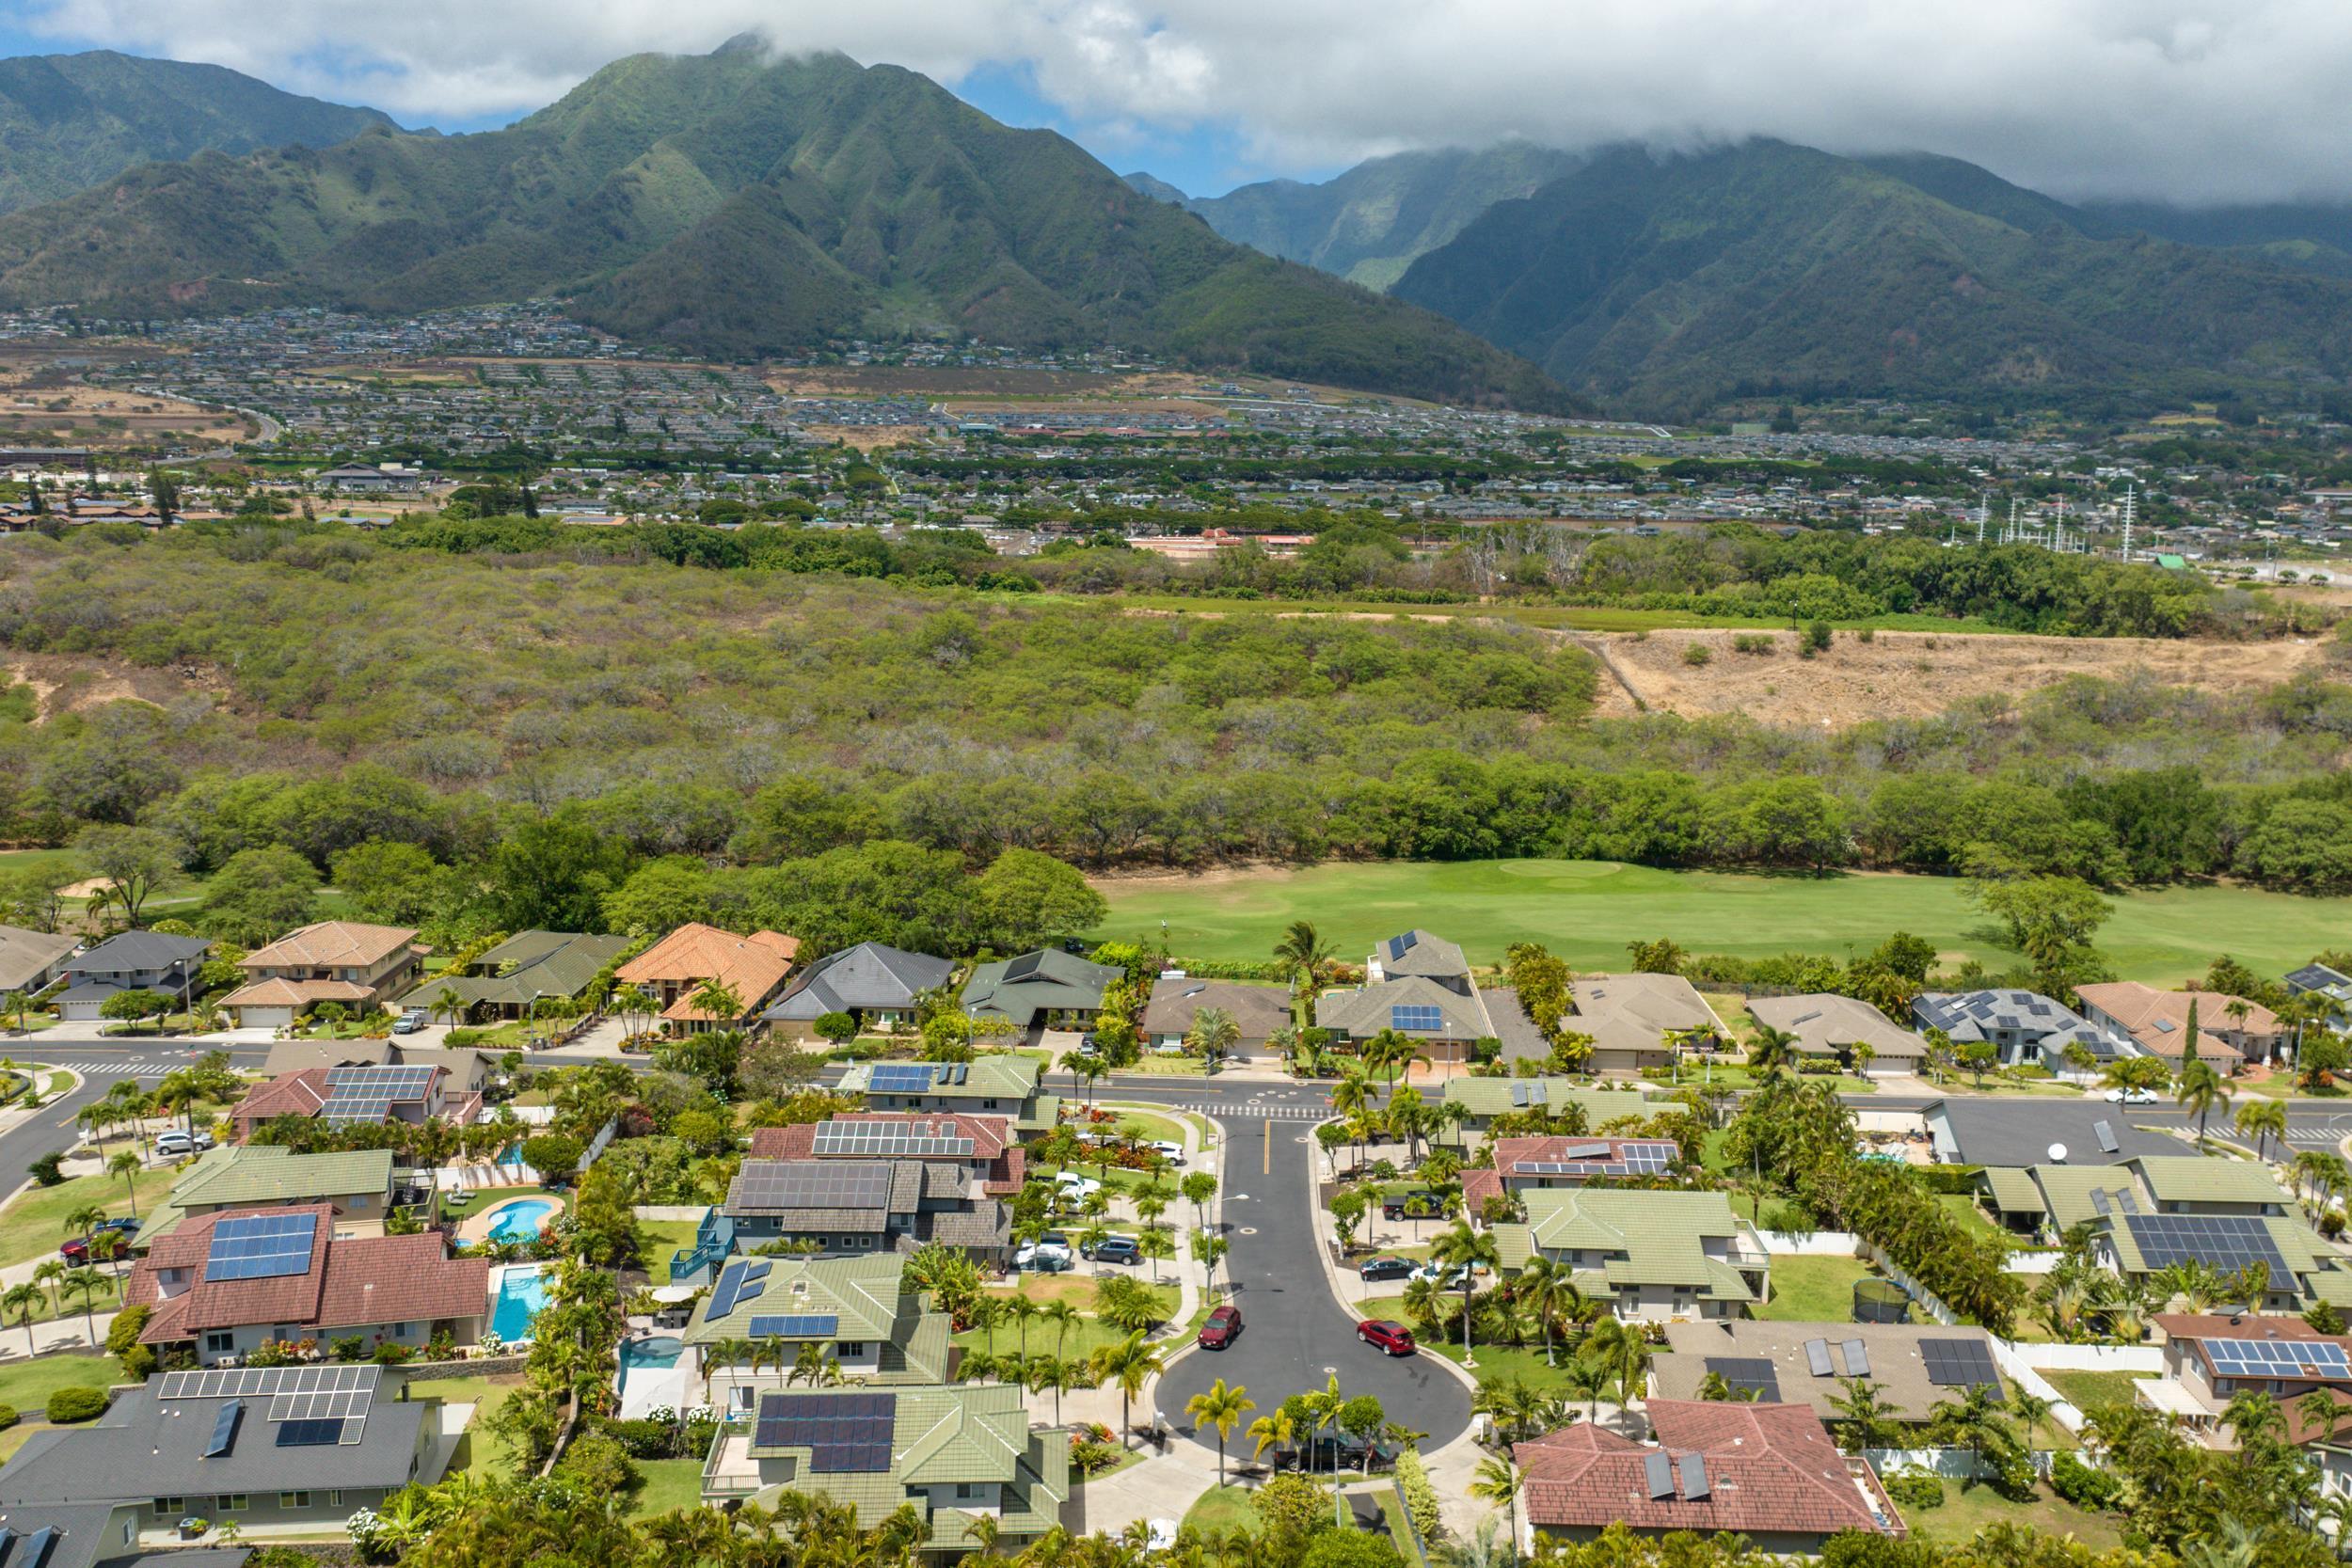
[[1973, 1220], [478, 1452], [1965, 1512], [1087, 1336], [1813, 1289], [669, 1483], [1586, 910], [662, 1238], [2084, 1390], [27, 1384], [1221, 1509], [32, 1226]]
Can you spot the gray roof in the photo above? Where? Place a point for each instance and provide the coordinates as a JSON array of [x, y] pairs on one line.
[[1364, 1012], [134, 950], [2020, 1131], [1978, 1015], [81, 1530], [868, 975], [525, 967], [1824, 1022], [2319, 977], [1176, 999], [29, 956], [1021, 987], [1417, 952]]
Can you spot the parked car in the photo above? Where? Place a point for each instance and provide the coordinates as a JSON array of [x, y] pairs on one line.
[[1386, 1268], [1447, 1278], [1393, 1339], [409, 1022], [1042, 1258], [126, 1223], [1076, 1186], [1112, 1249], [2133, 1097], [1218, 1332], [1410, 1206], [1168, 1151], [74, 1250], [176, 1143]]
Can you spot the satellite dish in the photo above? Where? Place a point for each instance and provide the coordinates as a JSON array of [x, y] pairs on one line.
[[2057, 1154]]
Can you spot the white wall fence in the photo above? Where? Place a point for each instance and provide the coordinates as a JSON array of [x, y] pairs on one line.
[[2031, 1262], [2091, 1358], [1951, 1463], [1921, 1297], [663, 1212], [1810, 1243]]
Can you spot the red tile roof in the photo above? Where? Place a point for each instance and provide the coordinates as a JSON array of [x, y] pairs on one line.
[[991, 1141], [292, 1094], [349, 1283], [1488, 1180], [1771, 1470]]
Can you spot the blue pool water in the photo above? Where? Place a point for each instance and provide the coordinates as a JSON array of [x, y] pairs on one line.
[[522, 1294], [660, 1351], [522, 1221]]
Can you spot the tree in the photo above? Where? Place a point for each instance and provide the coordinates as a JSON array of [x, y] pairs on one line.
[[164, 491], [21, 1301], [1618, 1349], [2137, 1072], [2202, 1091], [1305, 954], [1275, 1427], [88, 1284], [1979, 1057], [258, 894], [1025, 898], [1220, 1408], [1865, 1420], [127, 1163], [137, 1003], [1771, 1051], [1130, 1363], [137, 863], [2262, 1120], [388, 883], [1465, 1248], [836, 1028], [1213, 1036], [1497, 1480]]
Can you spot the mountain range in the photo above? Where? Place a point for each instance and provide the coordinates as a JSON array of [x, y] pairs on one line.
[[739, 204], [68, 121]]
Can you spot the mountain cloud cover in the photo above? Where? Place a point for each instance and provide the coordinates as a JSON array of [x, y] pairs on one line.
[[2200, 102]]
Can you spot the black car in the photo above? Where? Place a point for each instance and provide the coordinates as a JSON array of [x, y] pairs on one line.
[[1113, 1249], [1385, 1268], [1409, 1206]]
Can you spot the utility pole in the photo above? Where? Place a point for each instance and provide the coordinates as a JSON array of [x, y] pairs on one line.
[[2131, 494]]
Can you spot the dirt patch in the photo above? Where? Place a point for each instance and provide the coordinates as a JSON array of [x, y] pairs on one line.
[[62, 683], [1905, 675]]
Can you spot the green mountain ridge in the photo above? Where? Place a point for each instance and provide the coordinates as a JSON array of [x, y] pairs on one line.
[[70, 121], [734, 204]]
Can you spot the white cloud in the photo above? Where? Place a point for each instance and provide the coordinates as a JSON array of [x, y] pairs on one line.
[[2195, 100]]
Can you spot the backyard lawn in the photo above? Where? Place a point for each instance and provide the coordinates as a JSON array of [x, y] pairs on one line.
[[1586, 910], [670, 1484], [2084, 1390], [478, 1452], [1967, 1512], [1813, 1289], [34, 1224], [662, 1238], [27, 1384], [1222, 1508]]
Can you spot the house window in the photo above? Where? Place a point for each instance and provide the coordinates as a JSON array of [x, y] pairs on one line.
[[294, 1500], [849, 1348], [967, 1489], [334, 1498], [170, 1508], [988, 1104], [220, 1342], [230, 1502]]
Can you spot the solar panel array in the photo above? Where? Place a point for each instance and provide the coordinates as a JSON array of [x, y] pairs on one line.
[[2279, 1358], [808, 1184], [260, 1246], [1960, 1364], [1528, 1093], [1399, 946], [1747, 1374], [1414, 1015], [2224, 1242], [1637, 1157], [843, 1432], [899, 1078], [888, 1141], [369, 1093], [738, 1283], [795, 1325], [311, 1432], [252, 1382]]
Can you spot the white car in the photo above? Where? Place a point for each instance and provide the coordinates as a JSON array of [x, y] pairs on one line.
[[1168, 1151], [1448, 1279], [2133, 1097], [1074, 1185], [176, 1143], [1043, 1257]]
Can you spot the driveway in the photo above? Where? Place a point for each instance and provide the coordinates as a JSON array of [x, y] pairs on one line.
[[1296, 1334]]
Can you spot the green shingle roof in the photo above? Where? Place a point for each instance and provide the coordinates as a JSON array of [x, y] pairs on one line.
[[863, 1294], [2188, 1179], [2014, 1191], [1647, 1237], [265, 1174]]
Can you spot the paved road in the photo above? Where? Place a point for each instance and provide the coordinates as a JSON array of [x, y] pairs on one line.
[[1294, 1334], [52, 1129]]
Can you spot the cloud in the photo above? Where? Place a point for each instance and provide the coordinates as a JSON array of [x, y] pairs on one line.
[[2198, 101]]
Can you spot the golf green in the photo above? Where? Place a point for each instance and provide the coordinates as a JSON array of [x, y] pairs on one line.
[[1587, 911]]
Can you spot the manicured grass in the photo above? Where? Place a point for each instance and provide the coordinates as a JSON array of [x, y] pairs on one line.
[[31, 1228], [1974, 1220], [478, 1452], [662, 1238], [27, 1384], [1151, 1129], [669, 1483], [14, 1439], [1813, 1289], [1221, 1510], [2086, 1390], [1085, 1337], [1967, 1512], [1400, 1528], [1586, 910]]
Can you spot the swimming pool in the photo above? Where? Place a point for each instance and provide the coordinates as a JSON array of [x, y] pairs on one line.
[[522, 1295], [522, 1220], [654, 1375], [660, 1350]]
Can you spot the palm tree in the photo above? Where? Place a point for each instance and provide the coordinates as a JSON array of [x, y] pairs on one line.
[[1222, 1408], [1213, 1034], [1351, 1100], [86, 1219], [2031, 1411], [1868, 1420], [1304, 952], [127, 1165], [21, 1302], [1771, 1052], [48, 1272], [2320, 1409], [1465, 1247], [2203, 1091], [1063, 1315], [1022, 1311], [89, 1285], [1974, 1422], [1130, 1363], [1266, 1431], [1498, 1481], [2261, 1121], [1619, 1350], [1540, 1284]]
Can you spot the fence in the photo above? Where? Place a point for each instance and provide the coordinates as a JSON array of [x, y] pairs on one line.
[[2091, 1358], [1812, 1243], [1927, 1300], [1951, 1463], [2031, 1262]]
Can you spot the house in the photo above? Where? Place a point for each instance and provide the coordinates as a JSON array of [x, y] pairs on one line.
[[2157, 1022], [357, 1184], [510, 980], [1259, 1012], [828, 1207], [135, 960], [999, 1083], [1766, 1472], [1518, 1164], [1047, 989], [360, 968], [862, 1314], [957, 1456], [878, 986], [1976, 1131], [1915, 1366], [675, 969], [2030, 1030], [464, 1069], [360, 1095], [983, 1146], [1833, 1028], [32, 960], [2331, 983], [239, 1446], [223, 1284], [1631, 1019], [1651, 1256], [2214, 1357], [1418, 986], [1534, 1105]]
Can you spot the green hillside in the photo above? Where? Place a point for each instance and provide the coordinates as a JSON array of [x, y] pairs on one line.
[[70, 121], [733, 205], [1667, 282]]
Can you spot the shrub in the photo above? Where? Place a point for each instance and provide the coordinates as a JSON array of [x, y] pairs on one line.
[[600, 1466], [7, 1416], [122, 1335], [46, 1170], [553, 1155], [836, 1028], [1916, 1489], [68, 1406], [392, 1353], [138, 1363], [2082, 1485], [1421, 1496], [1756, 643], [1094, 1458], [1697, 653], [643, 1439], [1817, 637], [347, 1347]]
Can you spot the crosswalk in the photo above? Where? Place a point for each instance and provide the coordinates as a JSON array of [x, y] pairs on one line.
[[1258, 1110], [2324, 1134], [109, 1068]]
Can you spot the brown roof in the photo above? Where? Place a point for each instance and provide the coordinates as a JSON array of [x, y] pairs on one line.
[[1770, 1470], [332, 941], [349, 1283], [292, 1094], [2145, 1012], [754, 965], [277, 993], [991, 1141]]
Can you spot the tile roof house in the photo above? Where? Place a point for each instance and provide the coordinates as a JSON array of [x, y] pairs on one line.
[[2030, 1030], [1047, 989], [1517, 1164], [1486, 1098], [1806, 1364], [861, 1312], [2217, 1356], [217, 1444], [672, 970], [2157, 1022], [508, 981], [954, 1455], [998, 1082], [223, 1284], [1259, 1012], [878, 986], [357, 1184], [831, 1207], [135, 960], [1628, 1017], [32, 960], [1768, 1472], [1829, 1027], [373, 1094], [1651, 1255], [355, 966], [1419, 986], [994, 1159]]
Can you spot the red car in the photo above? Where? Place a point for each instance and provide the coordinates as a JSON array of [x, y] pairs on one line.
[[1395, 1338], [1219, 1330]]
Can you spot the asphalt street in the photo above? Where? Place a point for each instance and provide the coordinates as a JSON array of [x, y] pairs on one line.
[[52, 1127]]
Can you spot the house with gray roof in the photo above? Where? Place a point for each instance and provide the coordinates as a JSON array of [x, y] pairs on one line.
[[508, 981], [2030, 1030], [1047, 989], [1969, 1131], [1829, 1028], [2334, 984], [32, 960], [1419, 986], [1259, 1012], [828, 1207], [1915, 1366], [879, 986], [136, 960], [1631, 1019], [268, 1448], [994, 1084]]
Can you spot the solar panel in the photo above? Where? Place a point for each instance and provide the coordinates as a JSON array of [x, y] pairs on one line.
[[796, 1325], [887, 1141], [37, 1546], [1660, 1470], [314, 1433], [1399, 946], [369, 1093], [770, 1184], [1694, 1483], [756, 1269], [2223, 1241], [260, 1246], [2279, 1358], [254, 1382], [2106, 1137], [2130, 1202], [1857, 1358], [1747, 1374], [1518, 1094], [225, 1428], [1960, 1363], [843, 1432], [1024, 966], [1817, 1357], [899, 1078], [1415, 1015], [2099, 1201], [723, 1294]]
